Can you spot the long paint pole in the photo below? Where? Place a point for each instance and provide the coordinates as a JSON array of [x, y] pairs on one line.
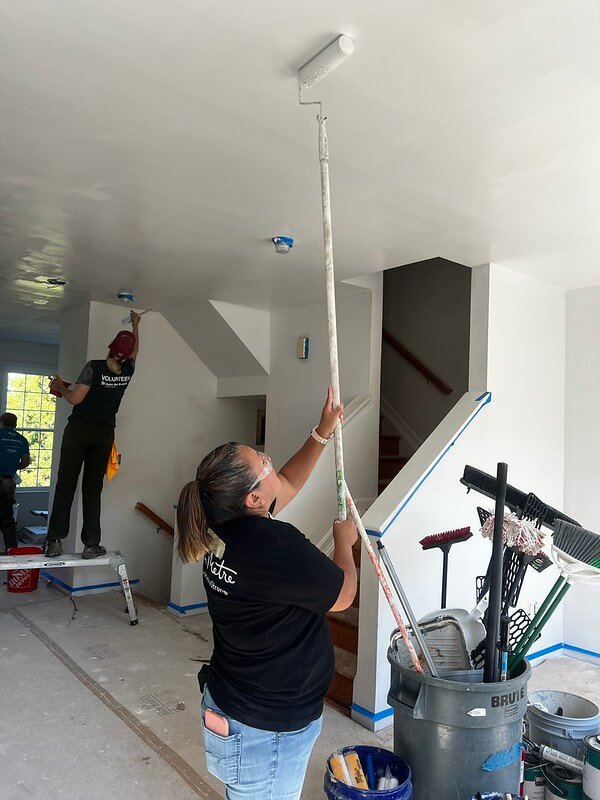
[[331, 313], [383, 582], [343, 495]]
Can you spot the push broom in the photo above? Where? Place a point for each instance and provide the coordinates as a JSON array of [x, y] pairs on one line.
[[308, 76]]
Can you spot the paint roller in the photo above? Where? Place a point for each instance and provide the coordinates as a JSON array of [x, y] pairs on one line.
[[308, 76]]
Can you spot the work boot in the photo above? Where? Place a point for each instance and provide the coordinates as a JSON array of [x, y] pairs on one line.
[[53, 548], [93, 551]]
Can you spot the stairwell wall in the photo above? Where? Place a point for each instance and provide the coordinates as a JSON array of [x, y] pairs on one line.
[[523, 425]]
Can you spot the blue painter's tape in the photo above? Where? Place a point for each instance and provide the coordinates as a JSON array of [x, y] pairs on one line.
[[576, 649], [370, 714], [546, 651], [183, 609], [57, 581], [132, 582], [487, 398], [503, 759], [73, 589]]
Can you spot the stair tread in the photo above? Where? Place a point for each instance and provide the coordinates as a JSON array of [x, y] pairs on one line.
[[347, 617], [393, 457], [345, 662]]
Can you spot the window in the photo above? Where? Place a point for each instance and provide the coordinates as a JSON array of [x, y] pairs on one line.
[[27, 396]]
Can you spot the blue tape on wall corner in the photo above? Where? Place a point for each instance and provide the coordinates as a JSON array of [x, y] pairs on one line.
[[375, 716], [184, 609]]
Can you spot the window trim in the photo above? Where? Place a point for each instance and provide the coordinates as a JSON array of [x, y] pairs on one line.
[[24, 369]]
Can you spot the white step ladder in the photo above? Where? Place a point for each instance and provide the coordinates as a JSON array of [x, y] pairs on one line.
[[112, 559]]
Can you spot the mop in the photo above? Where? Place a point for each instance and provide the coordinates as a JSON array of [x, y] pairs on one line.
[[308, 76]]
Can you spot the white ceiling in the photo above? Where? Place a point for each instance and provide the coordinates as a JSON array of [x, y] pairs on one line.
[[158, 145]]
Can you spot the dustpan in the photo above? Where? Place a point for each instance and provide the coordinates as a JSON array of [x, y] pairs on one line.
[[445, 641]]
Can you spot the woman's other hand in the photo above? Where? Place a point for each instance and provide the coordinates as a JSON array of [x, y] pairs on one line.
[[330, 416], [345, 533]]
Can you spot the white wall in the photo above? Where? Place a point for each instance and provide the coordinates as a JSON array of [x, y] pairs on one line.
[[297, 390], [523, 425], [426, 307], [169, 419], [582, 464], [23, 356]]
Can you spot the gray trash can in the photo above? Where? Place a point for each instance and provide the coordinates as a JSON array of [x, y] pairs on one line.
[[459, 735]]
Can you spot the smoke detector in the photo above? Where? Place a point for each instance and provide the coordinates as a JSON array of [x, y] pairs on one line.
[[283, 244]]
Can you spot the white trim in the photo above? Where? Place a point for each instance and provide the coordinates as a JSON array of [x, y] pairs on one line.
[[355, 406], [407, 432]]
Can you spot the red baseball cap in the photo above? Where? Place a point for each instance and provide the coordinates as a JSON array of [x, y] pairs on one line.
[[122, 346]]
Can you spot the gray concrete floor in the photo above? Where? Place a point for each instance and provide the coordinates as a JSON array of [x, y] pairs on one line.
[[93, 708]]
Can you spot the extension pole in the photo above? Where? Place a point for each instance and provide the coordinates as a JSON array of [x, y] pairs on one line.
[[343, 494], [331, 313], [384, 584]]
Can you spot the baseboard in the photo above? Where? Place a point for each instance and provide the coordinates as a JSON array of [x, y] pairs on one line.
[[187, 611]]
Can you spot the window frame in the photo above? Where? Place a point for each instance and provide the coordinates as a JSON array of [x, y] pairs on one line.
[[24, 369]]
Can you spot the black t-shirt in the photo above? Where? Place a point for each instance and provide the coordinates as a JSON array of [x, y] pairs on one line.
[[102, 402], [268, 595]]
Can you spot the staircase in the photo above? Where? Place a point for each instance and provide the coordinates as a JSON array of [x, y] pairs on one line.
[[344, 624]]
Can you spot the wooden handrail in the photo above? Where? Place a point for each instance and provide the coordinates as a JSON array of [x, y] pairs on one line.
[[429, 376], [159, 521]]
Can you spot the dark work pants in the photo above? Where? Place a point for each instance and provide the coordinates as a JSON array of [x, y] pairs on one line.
[[88, 445], [7, 521]]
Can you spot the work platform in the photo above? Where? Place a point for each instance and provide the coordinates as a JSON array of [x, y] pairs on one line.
[[113, 559]]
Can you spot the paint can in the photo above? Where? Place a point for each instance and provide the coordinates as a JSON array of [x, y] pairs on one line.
[[591, 768], [534, 786], [562, 784]]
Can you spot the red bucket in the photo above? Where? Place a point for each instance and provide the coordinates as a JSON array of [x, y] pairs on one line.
[[23, 580]]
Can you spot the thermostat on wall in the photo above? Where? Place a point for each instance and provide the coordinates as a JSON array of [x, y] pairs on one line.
[[303, 345]]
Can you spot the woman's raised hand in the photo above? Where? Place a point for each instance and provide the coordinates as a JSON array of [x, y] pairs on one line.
[[330, 416]]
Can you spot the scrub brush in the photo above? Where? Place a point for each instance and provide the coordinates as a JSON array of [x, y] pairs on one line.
[[445, 541]]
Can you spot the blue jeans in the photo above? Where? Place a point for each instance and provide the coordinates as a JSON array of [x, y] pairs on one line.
[[256, 764]]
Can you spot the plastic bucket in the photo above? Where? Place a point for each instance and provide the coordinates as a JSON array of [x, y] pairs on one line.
[[459, 735], [23, 580], [380, 759], [566, 731], [562, 784], [591, 768]]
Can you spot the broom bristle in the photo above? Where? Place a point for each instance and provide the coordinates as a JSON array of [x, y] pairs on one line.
[[577, 542], [448, 537]]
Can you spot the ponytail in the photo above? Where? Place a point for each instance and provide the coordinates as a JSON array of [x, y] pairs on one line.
[[195, 538], [114, 365], [218, 494]]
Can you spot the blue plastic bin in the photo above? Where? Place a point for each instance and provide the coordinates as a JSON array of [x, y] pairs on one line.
[[380, 758]]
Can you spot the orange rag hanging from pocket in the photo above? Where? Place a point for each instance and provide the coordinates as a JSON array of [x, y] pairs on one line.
[[112, 465]]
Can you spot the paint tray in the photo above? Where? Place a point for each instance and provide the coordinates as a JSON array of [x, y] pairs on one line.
[[446, 643]]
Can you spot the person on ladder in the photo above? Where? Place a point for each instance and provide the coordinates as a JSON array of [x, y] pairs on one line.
[[88, 439]]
